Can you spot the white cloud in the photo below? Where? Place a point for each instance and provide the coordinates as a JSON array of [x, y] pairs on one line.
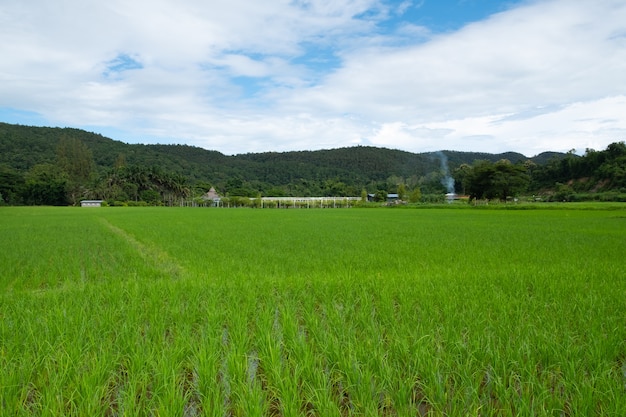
[[579, 125], [547, 75], [511, 62]]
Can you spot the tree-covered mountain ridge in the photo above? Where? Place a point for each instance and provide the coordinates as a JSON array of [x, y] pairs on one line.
[[22, 147], [89, 165]]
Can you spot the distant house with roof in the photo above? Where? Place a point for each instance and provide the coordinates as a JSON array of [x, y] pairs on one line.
[[212, 196], [391, 197]]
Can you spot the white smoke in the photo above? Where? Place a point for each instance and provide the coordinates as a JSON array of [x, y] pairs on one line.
[[447, 181]]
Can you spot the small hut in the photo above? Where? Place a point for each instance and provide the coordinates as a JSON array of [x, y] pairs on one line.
[[213, 196]]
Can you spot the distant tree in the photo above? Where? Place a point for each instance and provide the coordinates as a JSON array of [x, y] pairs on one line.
[[380, 196], [334, 188], [478, 180], [76, 161], [613, 169], [11, 186], [393, 182], [432, 183], [416, 195], [45, 186], [496, 180], [401, 191], [530, 167], [616, 150], [151, 197], [509, 179], [461, 175]]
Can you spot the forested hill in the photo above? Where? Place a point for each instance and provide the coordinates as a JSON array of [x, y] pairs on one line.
[[23, 147], [38, 164]]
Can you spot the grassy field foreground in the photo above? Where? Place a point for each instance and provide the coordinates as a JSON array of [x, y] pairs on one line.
[[241, 312]]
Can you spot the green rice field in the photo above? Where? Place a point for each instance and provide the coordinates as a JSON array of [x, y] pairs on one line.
[[186, 312]]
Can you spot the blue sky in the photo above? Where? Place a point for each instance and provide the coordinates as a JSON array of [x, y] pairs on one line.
[[280, 75], [447, 16]]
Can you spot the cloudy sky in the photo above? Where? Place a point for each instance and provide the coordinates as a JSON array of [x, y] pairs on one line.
[[242, 76]]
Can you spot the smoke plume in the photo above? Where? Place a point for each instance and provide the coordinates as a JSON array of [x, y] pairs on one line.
[[447, 180]]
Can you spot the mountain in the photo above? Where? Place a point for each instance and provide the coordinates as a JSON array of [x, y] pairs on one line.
[[321, 172], [22, 147]]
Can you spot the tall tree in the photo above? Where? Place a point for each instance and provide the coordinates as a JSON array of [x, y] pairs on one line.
[[496, 180], [401, 191], [461, 175], [76, 161], [509, 179]]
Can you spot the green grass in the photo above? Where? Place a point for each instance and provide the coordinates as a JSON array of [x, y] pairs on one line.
[[241, 312]]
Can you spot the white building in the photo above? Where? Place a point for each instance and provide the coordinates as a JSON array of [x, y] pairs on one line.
[[91, 203]]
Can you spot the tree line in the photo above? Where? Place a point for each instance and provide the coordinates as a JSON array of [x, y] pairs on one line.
[[53, 166], [74, 177]]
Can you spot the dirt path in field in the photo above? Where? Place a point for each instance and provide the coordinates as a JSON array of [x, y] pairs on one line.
[[154, 256]]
